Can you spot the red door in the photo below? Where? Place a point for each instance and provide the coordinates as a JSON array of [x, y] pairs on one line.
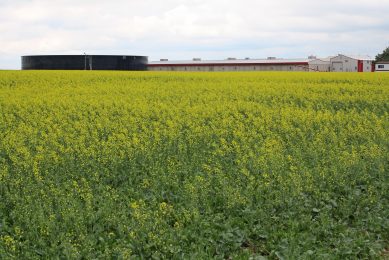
[[360, 66]]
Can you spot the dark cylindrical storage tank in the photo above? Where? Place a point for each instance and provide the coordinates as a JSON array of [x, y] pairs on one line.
[[84, 62]]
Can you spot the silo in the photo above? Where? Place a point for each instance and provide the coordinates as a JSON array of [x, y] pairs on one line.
[[84, 62]]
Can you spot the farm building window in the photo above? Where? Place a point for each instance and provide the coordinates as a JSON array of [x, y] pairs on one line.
[[346, 61], [356, 67], [381, 66]]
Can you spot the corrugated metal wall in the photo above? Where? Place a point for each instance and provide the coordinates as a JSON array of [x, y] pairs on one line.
[[84, 62]]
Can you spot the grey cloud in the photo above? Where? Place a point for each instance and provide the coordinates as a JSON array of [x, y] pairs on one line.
[[175, 28]]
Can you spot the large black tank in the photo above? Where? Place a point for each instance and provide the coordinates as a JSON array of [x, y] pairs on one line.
[[84, 62]]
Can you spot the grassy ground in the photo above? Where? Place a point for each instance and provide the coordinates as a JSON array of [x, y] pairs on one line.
[[194, 165]]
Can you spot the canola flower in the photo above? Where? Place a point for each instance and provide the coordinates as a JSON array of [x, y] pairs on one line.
[[193, 165]]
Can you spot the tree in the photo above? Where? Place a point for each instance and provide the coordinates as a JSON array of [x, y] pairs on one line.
[[384, 56]]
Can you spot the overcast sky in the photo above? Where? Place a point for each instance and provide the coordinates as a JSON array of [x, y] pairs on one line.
[[183, 29]]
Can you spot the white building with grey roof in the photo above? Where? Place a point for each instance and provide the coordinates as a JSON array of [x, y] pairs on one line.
[[320, 64], [352, 63]]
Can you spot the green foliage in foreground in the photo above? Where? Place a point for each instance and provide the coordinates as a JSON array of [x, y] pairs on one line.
[[186, 165]]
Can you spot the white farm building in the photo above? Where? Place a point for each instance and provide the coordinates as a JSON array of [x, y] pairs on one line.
[[340, 63], [382, 66], [320, 64], [349, 63]]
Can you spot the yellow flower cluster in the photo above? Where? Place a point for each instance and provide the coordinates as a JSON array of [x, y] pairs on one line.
[[102, 165]]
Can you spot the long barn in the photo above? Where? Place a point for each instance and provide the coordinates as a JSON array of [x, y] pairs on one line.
[[231, 64]]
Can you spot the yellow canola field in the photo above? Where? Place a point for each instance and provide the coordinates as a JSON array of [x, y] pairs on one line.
[[194, 165]]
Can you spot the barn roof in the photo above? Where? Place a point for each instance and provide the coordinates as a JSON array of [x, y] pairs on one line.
[[231, 62], [358, 57], [328, 59]]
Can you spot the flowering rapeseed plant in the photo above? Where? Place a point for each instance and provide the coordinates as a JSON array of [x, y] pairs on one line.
[[193, 165]]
